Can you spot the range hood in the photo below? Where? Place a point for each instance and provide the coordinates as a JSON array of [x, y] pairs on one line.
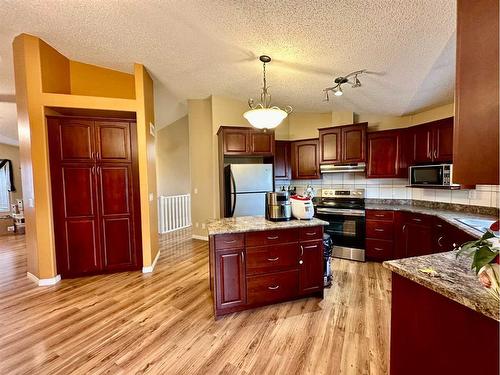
[[355, 167]]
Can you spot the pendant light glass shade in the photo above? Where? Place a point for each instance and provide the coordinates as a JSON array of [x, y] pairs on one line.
[[265, 118], [262, 115]]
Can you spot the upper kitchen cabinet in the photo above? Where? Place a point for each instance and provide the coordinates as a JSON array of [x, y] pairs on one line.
[[477, 94], [432, 142], [343, 144], [242, 141], [305, 159], [354, 143], [386, 158], [330, 145], [282, 160]]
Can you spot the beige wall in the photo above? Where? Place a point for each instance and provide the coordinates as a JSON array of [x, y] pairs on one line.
[[377, 122], [201, 163], [172, 158], [12, 153]]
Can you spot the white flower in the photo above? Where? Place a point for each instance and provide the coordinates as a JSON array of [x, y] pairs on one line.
[[495, 243]]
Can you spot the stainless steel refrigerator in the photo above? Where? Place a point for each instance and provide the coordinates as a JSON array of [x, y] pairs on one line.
[[245, 189]]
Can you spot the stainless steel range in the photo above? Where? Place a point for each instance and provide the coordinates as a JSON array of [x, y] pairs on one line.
[[345, 212]]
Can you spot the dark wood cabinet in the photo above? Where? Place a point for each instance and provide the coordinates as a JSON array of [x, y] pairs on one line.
[[262, 143], [243, 141], [330, 145], [379, 235], [432, 142], [230, 284], [113, 141], [422, 144], [443, 140], [343, 144], [414, 235], [476, 133], [234, 140], [403, 234], [305, 159], [311, 267], [283, 160], [386, 157], [447, 237], [257, 268], [95, 186], [354, 143]]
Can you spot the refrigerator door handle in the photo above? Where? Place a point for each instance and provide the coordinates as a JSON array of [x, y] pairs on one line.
[[233, 194]]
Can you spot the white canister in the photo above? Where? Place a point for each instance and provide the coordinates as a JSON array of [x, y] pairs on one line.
[[302, 207]]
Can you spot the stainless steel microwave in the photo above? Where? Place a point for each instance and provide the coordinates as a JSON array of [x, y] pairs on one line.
[[431, 175]]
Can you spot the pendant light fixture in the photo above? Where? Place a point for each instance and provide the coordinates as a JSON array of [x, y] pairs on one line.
[[262, 115]]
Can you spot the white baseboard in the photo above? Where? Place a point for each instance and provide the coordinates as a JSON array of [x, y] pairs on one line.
[[149, 269], [44, 282], [197, 237]]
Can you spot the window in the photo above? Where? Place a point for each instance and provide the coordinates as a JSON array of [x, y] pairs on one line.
[[4, 188]]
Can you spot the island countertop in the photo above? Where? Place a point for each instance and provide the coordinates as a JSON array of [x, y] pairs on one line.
[[255, 224], [455, 280]]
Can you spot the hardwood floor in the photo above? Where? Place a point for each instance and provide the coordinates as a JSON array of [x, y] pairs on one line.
[[162, 323]]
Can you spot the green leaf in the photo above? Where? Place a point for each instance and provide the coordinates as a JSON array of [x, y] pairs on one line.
[[487, 235], [482, 257]]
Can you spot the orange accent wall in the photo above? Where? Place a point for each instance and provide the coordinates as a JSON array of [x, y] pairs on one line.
[[94, 80], [45, 79]]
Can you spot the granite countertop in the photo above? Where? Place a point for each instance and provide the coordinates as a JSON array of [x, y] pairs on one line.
[[455, 280], [447, 215], [256, 223]]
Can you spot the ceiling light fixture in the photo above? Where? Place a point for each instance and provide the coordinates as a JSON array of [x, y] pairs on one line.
[[351, 78], [262, 115]]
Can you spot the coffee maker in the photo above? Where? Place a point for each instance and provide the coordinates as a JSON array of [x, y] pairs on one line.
[[278, 207]]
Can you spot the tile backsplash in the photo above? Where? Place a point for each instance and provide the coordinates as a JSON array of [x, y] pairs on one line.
[[387, 188]]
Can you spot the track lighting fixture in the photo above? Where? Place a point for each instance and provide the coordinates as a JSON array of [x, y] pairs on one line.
[[351, 78]]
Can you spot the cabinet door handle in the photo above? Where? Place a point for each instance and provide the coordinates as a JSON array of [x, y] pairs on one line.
[[309, 247], [379, 215], [439, 241], [417, 220], [273, 259], [404, 227], [273, 287], [435, 154], [92, 170], [301, 251], [243, 257], [378, 249], [230, 241], [310, 233], [378, 230], [273, 238]]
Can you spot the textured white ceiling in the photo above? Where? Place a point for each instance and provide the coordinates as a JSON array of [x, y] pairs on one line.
[[195, 48]]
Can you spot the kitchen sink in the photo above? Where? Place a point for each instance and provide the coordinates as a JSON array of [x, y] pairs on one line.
[[481, 225]]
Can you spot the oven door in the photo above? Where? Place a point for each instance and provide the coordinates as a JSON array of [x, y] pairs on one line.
[[346, 227]]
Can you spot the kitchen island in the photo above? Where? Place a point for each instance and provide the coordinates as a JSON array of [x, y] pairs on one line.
[[442, 324], [255, 262]]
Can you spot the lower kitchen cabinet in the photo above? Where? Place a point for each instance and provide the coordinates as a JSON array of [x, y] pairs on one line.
[[311, 267], [230, 278], [414, 235], [400, 234], [272, 266]]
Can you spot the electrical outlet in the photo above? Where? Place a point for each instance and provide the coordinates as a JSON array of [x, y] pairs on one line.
[[195, 190], [203, 226], [472, 194], [151, 197], [196, 225]]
